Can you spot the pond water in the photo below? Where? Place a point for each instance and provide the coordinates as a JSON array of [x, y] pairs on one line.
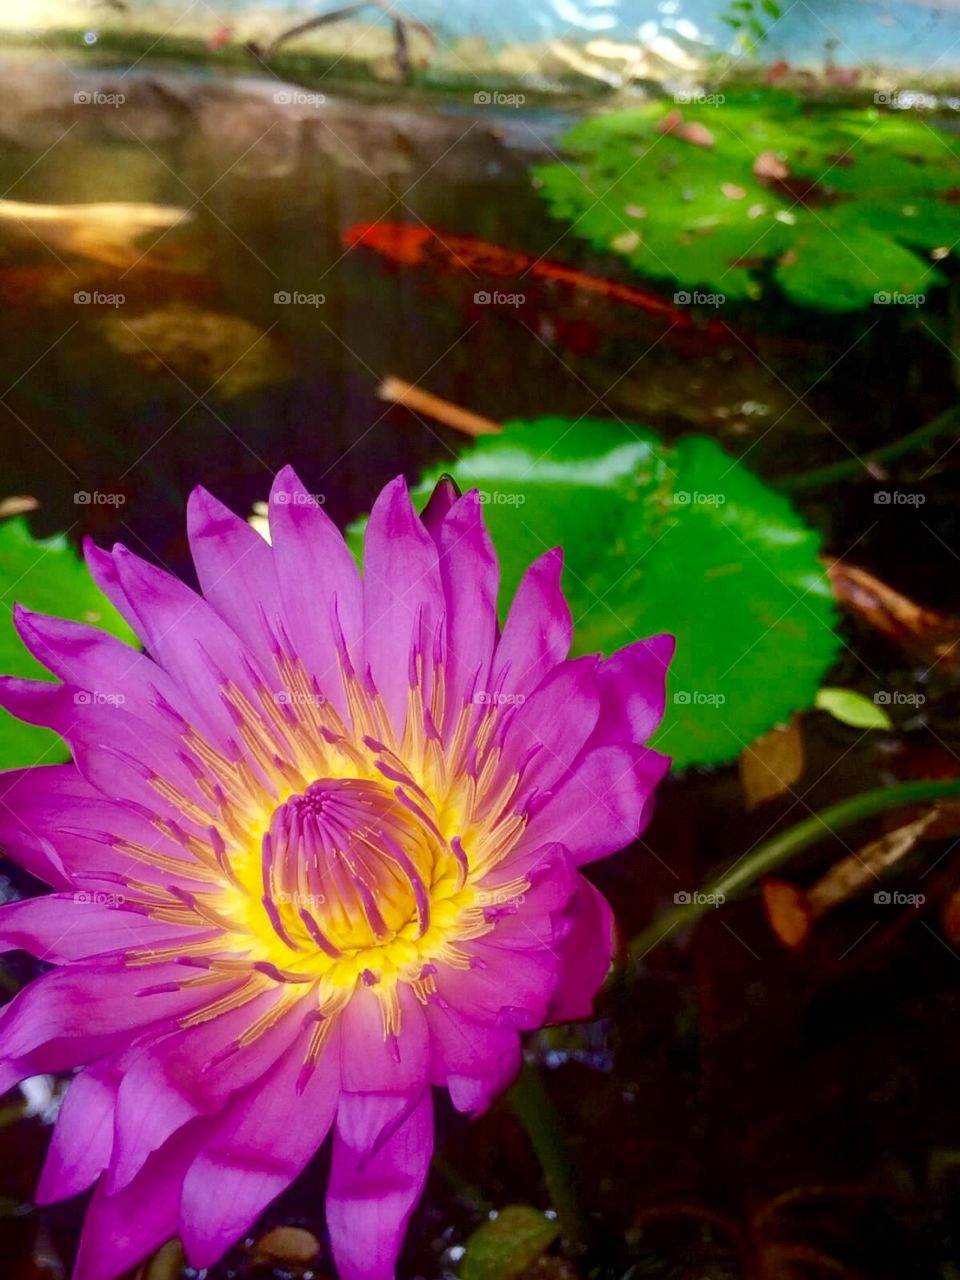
[[746, 1111]]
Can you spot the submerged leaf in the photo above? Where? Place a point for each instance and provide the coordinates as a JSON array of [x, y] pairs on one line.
[[852, 708], [287, 1245], [46, 576], [504, 1247], [772, 764], [788, 911]]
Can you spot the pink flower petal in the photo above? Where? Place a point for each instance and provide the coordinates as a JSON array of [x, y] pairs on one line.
[[586, 954], [373, 1062], [76, 926], [538, 631], [470, 576], [244, 1164], [320, 587], [604, 804], [370, 1200], [121, 1230], [402, 595], [632, 685], [235, 569]]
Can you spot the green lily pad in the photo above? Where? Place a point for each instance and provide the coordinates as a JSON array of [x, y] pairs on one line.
[[677, 538], [864, 195], [504, 1247], [47, 576]]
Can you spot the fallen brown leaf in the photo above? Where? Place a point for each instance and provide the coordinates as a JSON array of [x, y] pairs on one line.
[[788, 911], [792, 910], [772, 764], [933, 637], [863, 868]]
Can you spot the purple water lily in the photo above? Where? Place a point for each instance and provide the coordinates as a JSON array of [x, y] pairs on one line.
[[318, 852]]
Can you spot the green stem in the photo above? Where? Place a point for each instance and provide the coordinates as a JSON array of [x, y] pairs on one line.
[[772, 854], [852, 467], [535, 1111]]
